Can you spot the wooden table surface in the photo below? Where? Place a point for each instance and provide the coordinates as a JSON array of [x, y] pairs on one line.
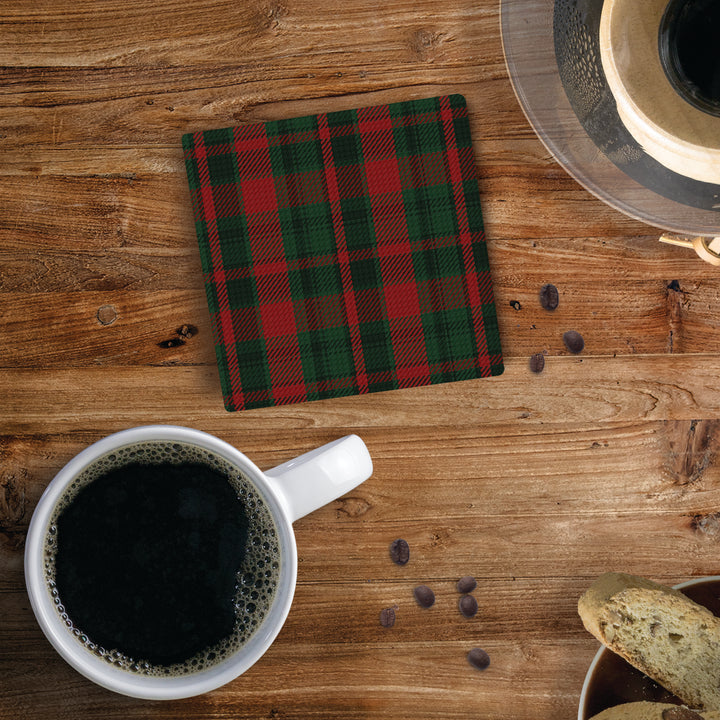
[[533, 483]]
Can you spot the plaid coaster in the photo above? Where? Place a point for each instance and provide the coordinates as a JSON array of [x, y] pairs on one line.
[[344, 253]]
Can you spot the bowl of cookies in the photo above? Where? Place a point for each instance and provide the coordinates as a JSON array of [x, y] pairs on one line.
[[660, 658]]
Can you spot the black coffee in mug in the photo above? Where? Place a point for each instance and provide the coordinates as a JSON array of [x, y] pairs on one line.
[[162, 558]]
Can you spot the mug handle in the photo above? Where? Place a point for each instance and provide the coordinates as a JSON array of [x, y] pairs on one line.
[[320, 476]]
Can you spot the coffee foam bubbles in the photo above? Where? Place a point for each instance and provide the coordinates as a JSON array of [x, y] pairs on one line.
[[257, 579]]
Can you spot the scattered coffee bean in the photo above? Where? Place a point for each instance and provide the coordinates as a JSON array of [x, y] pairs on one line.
[[574, 341], [549, 296], [478, 658], [424, 595], [468, 606], [466, 584], [387, 617], [537, 363], [400, 551], [515, 305]]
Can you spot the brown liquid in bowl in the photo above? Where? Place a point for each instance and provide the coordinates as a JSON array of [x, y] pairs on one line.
[[615, 681]]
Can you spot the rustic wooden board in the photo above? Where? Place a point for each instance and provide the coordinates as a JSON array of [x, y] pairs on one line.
[[533, 483]]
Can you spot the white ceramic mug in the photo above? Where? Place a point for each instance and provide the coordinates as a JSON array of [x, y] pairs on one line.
[[290, 491]]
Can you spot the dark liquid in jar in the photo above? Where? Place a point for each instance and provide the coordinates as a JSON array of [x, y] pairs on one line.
[[615, 681], [689, 44]]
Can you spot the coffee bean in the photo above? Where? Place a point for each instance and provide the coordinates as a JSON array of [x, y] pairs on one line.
[[478, 658], [424, 595], [574, 341], [400, 551], [387, 617], [549, 296], [466, 584], [515, 305], [537, 363], [468, 606]]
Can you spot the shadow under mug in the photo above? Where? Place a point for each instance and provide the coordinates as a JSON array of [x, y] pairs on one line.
[[290, 491]]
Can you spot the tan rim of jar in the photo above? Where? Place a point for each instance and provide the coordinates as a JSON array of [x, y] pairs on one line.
[[677, 134]]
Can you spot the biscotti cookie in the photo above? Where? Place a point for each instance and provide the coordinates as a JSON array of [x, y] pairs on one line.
[[653, 711], [661, 632]]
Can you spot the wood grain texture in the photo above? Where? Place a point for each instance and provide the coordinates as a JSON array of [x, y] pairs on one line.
[[533, 483]]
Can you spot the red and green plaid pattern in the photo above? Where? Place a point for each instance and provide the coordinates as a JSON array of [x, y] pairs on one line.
[[344, 253]]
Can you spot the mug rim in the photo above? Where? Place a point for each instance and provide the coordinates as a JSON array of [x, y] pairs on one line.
[[99, 670], [602, 649]]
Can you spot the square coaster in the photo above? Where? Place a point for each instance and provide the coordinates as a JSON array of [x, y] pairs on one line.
[[344, 253]]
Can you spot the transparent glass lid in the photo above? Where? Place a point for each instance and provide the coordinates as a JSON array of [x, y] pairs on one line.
[[552, 54]]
